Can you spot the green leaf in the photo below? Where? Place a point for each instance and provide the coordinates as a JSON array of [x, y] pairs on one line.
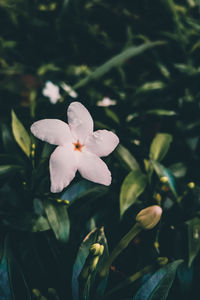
[[7, 170], [193, 239], [127, 159], [161, 112], [160, 146], [132, 186], [117, 60], [57, 216], [113, 116], [13, 284], [178, 169], [151, 86], [25, 221], [20, 134], [157, 287], [164, 172]]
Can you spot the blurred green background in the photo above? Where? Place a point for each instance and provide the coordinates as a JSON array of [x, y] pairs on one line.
[[135, 65]]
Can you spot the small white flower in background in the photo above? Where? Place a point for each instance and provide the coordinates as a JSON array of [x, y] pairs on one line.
[[69, 90], [51, 91], [106, 101], [79, 148]]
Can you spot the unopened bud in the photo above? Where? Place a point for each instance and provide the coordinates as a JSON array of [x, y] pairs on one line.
[[101, 250], [95, 249], [149, 217], [191, 185], [163, 179], [94, 263], [162, 261]]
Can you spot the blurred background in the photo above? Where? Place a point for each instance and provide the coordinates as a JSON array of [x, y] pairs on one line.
[[135, 65]]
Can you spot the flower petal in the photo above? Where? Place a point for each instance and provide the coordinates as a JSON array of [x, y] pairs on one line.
[[63, 167], [53, 131], [80, 121], [101, 142], [92, 168]]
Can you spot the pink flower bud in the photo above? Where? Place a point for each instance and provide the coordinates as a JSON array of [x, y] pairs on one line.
[[149, 217]]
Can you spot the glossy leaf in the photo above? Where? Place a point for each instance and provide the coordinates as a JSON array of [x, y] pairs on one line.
[[193, 239], [116, 60], [159, 284], [126, 158], [77, 189], [20, 134], [95, 236], [132, 186], [58, 218], [164, 172], [160, 146], [13, 284], [5, 289]]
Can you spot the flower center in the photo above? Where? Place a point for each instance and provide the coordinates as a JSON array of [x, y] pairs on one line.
[[77, 146]]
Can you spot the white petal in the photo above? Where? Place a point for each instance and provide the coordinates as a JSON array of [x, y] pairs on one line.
[[63, 167], [92, 168], [53, 131], [80, 121], [101, 142]]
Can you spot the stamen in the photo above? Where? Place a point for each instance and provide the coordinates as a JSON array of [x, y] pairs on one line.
[[77, 146]]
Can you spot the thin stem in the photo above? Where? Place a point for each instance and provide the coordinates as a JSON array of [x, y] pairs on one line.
[[123, 243]]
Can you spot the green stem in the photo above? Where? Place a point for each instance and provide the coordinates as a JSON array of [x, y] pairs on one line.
[[123, 243], [128, 281]]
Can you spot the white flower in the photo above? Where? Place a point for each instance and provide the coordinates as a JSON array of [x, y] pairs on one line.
[[51, 91], [69, 90], [79, 148], [106, 101]]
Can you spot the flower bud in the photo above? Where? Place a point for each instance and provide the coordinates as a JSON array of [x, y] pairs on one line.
[[162, 261], [95, 248], [94, 264], [149, 217]]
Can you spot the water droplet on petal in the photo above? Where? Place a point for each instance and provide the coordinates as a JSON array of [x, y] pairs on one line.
[[76, 122], [98, 137]]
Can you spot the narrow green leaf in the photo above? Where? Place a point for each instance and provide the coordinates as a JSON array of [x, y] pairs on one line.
[[117, 60], [20, 134], [127, 159], [7, 170], [161, 112], [157, 287], [57, 216], [17, 282], [113, 116], [193, 239], [132, 186], [160, 146]]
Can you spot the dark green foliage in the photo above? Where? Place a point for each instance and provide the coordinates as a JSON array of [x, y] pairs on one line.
[[144, 56]]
